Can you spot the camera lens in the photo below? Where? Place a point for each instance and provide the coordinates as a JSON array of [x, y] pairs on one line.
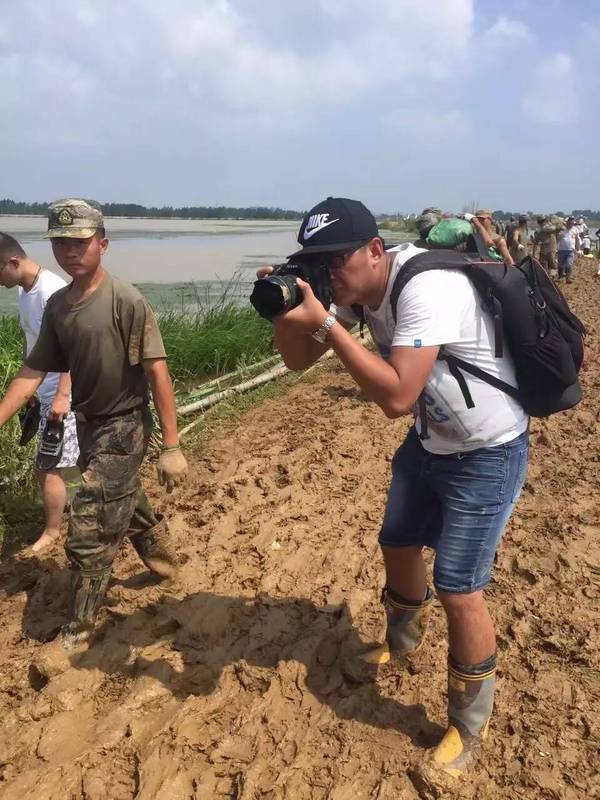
[[274, 295]]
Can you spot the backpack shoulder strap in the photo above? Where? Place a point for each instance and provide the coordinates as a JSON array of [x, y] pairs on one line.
[[455, 365]]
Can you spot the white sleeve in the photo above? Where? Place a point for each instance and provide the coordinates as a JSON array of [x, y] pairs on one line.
[[430, 310]]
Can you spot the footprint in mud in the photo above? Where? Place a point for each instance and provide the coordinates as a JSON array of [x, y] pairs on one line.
[[187, 644]]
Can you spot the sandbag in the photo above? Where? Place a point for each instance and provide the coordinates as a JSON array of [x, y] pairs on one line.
[[449, 233]]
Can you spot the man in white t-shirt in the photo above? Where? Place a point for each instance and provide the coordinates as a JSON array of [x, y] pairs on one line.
[[453, 491], [568, 245], [34, 286]]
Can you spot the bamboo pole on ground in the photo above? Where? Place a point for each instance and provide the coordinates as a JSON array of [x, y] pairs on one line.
[[277, 371]]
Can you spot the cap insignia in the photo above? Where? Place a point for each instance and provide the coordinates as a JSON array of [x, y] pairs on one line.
[[65, 217]]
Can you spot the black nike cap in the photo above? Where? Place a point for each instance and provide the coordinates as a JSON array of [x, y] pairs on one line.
[[335, 224]]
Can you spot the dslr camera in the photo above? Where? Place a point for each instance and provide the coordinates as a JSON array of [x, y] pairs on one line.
[[278, 291]]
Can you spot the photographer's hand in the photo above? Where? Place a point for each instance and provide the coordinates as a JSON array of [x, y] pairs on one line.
[[291, 331], [298, 320], [305, 318]]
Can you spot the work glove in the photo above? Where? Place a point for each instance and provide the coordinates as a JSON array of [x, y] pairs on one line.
[[171, 467], [468, 216]]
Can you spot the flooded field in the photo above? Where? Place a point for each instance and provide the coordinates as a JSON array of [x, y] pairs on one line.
[[176, 263], [163, 257]]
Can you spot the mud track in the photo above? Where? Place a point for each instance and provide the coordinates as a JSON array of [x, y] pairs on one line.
[[229, 685]]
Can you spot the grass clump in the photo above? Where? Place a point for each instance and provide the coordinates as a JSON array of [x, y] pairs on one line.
[[207, 344], [19, 503]]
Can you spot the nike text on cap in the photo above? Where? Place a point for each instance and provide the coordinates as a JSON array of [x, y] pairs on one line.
[[336, 224]]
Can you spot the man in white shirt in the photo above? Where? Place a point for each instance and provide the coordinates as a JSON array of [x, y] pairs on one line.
[[568, 245], [453, 490], [34, 286]]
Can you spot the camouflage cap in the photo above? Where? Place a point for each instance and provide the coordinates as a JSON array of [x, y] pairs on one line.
[[427, 219], [483, 213], [73, 218]]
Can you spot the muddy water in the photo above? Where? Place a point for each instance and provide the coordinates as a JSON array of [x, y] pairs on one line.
[[167, 251], [163, 256]]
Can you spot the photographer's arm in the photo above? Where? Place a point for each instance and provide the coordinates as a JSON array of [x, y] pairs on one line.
[[295, 345], [394, 385], [21, 388], [297, 348]]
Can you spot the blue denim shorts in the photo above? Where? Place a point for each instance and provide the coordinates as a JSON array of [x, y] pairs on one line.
[[457, 504], [566, 259]]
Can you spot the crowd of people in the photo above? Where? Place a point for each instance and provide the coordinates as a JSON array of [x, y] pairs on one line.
[[93, 351], [556, 242]]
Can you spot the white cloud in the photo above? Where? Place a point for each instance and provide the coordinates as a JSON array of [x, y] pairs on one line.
[[506, 32], [206, 63], [552, 98]]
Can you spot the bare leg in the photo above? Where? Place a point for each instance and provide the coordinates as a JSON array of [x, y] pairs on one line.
[[54, 495], [470, 628], [405, 572]]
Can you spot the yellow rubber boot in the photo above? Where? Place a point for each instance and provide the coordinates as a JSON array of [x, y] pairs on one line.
[[470, 704], [406, 627]]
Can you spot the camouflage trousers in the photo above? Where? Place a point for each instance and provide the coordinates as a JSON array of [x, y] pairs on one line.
[[548, 260], [110, 503]]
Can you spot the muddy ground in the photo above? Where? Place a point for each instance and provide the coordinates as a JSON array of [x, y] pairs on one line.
[[229, 685]]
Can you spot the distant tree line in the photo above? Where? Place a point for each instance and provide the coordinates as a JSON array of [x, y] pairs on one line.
[[577, 212], [166, 212]]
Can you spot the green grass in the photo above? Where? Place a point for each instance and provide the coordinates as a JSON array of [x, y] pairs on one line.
[[19, 504], [210, 343]]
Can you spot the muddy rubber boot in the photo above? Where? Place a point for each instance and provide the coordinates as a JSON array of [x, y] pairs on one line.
[[86, 596], [406, 627], [470, 704], [153, 547]]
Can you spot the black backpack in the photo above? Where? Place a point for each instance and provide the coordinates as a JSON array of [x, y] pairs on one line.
[[543, 336]]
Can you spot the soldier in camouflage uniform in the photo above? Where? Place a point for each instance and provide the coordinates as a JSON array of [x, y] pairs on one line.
[[544, 240], [517, 239], [103, 332]]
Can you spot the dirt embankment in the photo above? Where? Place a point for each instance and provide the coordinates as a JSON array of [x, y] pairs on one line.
[[229, 686]]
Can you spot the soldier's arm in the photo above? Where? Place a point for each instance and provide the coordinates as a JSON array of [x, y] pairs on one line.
[[164, 398], [22, 387], [488, 240], [502, 248], [61, 402], [172, 466]]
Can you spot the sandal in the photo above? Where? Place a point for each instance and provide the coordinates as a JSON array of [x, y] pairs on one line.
[[51, 445], [29, 420]]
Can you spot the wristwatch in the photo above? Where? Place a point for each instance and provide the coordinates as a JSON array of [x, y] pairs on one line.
[[321, 334]]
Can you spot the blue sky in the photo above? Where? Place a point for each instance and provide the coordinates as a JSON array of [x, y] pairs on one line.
[[400, 103]]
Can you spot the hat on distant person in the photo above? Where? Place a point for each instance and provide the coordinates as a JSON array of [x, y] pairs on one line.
[[523, 218], [483, 213], [73, 218], [336, 225]]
